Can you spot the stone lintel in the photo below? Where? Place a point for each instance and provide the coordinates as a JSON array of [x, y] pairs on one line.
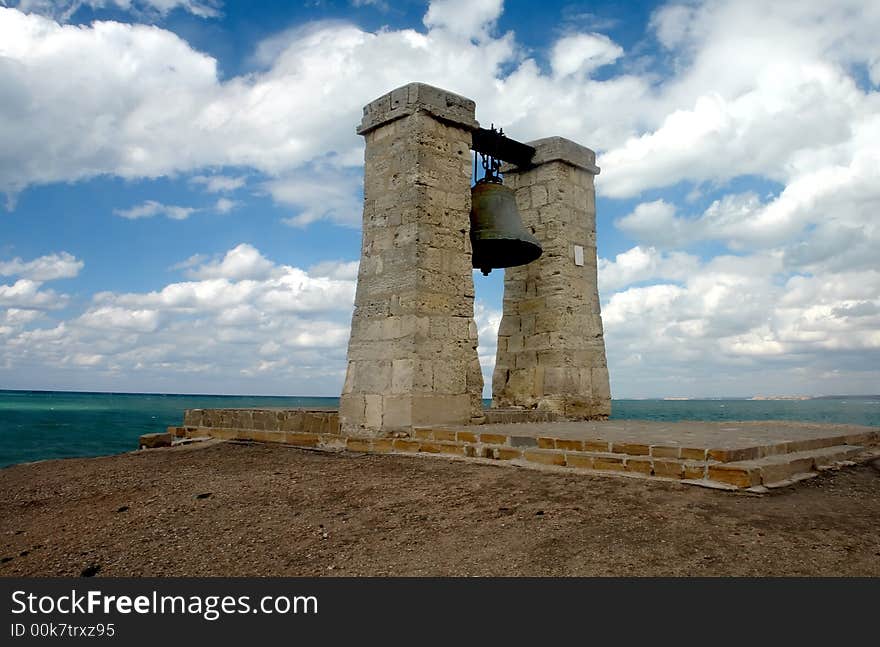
[[418, 97], [553, 149]]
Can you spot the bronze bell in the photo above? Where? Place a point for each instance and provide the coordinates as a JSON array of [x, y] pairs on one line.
[[498, 236]]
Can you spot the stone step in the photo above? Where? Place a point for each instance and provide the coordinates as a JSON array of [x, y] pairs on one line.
[[509, 435], [779, 469], [297, 438], [598, 461], [758, 466], [536, 457], [770, 471], [486, 435], [740, 454], [316, 421]]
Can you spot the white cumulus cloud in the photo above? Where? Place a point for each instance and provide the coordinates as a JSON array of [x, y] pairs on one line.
[[243, 324], [152, 208], [26, 293], [582, 53], [44, 268], [219, 183], [463, 18], [65, 9], [241, 262]]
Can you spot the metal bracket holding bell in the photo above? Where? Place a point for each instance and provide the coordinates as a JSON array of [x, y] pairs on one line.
[[495, 143], [489, 161]]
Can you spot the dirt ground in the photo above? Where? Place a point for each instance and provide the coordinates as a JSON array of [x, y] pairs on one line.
[[237, 510]]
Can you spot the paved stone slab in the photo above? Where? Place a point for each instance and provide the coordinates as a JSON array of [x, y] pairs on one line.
[[723, 435], [755, 454]]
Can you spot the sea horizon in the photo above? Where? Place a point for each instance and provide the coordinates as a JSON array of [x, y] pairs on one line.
[[336, 397]]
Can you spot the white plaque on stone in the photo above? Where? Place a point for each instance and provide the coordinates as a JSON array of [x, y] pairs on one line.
[[578, 255]]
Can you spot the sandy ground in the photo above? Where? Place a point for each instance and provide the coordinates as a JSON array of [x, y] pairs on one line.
[[229, 509]]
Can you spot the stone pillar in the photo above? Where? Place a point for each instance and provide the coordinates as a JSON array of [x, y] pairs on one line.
[[551, 349], [412, 356]]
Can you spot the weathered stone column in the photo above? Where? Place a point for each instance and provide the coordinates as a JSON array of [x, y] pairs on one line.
[[551, 349], [412, 356]]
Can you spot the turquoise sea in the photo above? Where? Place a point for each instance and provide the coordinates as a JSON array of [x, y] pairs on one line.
[[38, 425]]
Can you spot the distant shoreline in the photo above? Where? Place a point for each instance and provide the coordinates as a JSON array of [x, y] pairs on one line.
[[336, 397], [160, 393]]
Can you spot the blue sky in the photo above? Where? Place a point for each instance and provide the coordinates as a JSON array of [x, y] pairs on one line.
[[182, 183]]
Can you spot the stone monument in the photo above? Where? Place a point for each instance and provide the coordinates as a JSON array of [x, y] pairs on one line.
[[412, 355], [413, 381]]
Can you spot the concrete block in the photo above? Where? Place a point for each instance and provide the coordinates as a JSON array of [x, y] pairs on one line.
[[638, 465], [544, 457], [403, 445], [300, 439], [402, 375], [608, 463], [741, 477], [633, 449], [396, 412], [373, 411], [152, 441], [661, 451], [579, 461], [440, 409], [668, 468]]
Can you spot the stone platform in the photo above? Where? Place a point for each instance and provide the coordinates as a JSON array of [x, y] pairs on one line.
[[727, 455]]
